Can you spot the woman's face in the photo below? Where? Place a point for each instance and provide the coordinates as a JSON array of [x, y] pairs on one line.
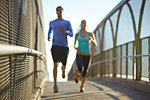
[[83, 24]]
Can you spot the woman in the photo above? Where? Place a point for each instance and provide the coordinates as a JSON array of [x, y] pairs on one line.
[[83, 57]]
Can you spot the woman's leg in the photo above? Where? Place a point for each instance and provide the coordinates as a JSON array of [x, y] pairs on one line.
[[79, 63], [87, 61]]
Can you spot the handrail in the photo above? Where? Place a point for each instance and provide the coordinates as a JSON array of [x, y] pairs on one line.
[[11, 49], [115, 58]]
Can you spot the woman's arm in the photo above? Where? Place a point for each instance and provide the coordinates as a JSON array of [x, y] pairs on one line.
[[92, 38], [75, 41]]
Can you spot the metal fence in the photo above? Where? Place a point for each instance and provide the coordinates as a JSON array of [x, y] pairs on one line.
[[21, 69], [123, 38]]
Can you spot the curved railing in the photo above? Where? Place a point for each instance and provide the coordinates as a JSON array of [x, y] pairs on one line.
[[123, 39]]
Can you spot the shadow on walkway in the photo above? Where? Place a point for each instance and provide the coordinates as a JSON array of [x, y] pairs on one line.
[[95, 90]]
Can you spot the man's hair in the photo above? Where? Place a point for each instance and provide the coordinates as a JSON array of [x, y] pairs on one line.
[[59, 7]]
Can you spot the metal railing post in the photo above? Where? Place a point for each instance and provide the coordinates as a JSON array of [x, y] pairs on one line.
[[35, 70], [149, 58], [11, 78], [127, 61], [121, 61], [114, 62]]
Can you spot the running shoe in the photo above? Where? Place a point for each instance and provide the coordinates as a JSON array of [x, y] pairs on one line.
[[55, 89], [82, 89]]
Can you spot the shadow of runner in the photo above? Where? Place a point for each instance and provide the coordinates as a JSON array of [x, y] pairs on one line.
[[60, 94], [102, 90], [124, 88], [70, 95], [95, 91]]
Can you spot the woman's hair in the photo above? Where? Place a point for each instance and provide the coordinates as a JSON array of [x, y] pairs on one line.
[[83, 21], [79, 29], [59, 7]]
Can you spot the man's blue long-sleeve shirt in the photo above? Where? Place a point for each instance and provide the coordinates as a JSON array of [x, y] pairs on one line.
[[60, 38]]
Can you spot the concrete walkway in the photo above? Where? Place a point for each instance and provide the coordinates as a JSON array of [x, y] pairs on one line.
[[95, 90]]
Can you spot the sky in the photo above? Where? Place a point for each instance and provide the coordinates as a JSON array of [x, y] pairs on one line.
[[93, 11]]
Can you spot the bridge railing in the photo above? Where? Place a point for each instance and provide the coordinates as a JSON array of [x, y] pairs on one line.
[[21, 69], [123, 39], [124, 42], [20, 74], [124, 64]]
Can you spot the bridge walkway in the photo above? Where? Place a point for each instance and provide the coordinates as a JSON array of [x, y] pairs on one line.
[[98, 90]]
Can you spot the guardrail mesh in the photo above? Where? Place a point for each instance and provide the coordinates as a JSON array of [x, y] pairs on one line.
[[21, 24]]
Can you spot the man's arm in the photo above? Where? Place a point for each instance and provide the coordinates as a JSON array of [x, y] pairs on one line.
[[69, 31], [49, 32]]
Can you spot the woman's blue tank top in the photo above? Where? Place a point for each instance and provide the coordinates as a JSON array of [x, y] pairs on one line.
[[83, 44]]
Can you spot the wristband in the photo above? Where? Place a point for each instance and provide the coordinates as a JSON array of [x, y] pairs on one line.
[[67, 32]]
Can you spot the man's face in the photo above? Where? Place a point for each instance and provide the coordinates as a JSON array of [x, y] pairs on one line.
[[59, 12]]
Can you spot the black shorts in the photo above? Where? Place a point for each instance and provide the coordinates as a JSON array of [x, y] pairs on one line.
[[60, 54]]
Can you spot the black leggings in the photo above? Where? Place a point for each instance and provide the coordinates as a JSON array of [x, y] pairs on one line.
[[83, 62]]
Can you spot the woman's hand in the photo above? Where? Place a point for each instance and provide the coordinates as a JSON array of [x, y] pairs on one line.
[[76, 48], [89, 37]]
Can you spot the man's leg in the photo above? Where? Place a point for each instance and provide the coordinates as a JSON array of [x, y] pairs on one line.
[[64, 56], [55, 77], [55, 73], [55, 56], [63, 70]]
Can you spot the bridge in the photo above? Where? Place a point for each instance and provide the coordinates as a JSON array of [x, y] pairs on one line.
[[120, 68]]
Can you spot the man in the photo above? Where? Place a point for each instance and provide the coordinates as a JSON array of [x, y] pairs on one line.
[[61, 29]]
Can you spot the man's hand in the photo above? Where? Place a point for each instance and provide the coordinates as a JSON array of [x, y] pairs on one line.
[[48, 38], [63, 31]]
